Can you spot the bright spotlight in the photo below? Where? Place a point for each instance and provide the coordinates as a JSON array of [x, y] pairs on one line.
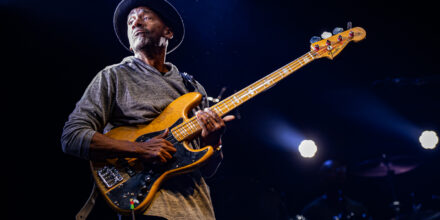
[[428, 139], [307, 148]]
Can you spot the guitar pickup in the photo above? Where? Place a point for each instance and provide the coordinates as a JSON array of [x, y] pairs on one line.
[[110, 176], [130, 171], [127, 167]]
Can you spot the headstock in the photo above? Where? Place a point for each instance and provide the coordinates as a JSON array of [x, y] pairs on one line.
[[330, 46]]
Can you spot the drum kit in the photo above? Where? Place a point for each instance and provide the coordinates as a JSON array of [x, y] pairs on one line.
[[388, 168]]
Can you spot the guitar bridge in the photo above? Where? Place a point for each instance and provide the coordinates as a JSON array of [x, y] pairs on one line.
[[109, 176]]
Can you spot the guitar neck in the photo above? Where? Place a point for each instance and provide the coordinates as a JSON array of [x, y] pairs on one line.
[[191, 127]]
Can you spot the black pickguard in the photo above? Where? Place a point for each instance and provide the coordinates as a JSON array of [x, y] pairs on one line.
[[140, 183]]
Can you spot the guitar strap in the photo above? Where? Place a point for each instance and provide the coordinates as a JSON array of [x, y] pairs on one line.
[[88, 206], [191, 86], [189, 81]]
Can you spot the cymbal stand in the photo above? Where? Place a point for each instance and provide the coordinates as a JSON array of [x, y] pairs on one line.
[[395, 204]]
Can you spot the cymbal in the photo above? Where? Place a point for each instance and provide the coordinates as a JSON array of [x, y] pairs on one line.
[[385, 166]]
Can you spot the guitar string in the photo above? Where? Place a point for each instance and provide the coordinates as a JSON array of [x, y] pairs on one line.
[[257, 86], [301, 61], [171, 139], [275, 76], [310, 56], [272, 77]]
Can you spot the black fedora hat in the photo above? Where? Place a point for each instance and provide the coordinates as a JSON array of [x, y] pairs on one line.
[[163, 8]]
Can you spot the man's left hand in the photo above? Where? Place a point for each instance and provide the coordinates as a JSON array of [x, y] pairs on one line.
[[212, 126]]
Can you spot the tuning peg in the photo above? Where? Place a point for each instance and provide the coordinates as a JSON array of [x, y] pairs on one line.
[[326, 35], [351, 34], [314, 39], [349, 25], [337, 30]]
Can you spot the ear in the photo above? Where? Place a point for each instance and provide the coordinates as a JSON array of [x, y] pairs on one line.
[[167, 33]]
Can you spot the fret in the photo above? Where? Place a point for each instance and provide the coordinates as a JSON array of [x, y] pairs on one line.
[[195, 125], [251, 91], [180, 136], [311, 57], [227, 104], [267, 82], [216, 110], [179, 133], [257, 88], [236, 100], [189, 128], [227, 107], [261, 85], [219, 108], [184, 130], [175, 134], [243, 96], [306, 59], [249, 94]]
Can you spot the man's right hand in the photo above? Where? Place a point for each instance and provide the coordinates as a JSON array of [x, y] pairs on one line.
[[157, 149]]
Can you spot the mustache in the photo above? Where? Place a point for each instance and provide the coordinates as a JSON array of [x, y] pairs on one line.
[[138, 31]]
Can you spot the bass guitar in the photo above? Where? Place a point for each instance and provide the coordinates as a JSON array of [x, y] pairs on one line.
[[128, 185]]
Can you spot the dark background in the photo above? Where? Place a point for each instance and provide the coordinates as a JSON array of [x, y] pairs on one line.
[[375, 98]]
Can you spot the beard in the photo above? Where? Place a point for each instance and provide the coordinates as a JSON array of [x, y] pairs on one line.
[[143, 41], [146, 41]]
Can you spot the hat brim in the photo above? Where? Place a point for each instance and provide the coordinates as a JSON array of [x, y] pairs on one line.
[[164, 9]]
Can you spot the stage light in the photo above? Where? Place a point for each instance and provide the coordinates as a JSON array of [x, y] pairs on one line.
[[307, 148], [428, 139]]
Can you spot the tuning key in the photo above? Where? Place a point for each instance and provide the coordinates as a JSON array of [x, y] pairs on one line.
[[337, 30], [351, 34], [316, 47], [329, 45], [314, 39], [326, 35]]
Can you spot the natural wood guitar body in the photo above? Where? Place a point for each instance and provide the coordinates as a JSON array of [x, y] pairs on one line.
[[124, 179]]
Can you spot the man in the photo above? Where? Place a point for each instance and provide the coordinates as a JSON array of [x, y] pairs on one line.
[[135, 91]]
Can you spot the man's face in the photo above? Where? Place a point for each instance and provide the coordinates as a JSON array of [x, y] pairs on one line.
[[145, 28]]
